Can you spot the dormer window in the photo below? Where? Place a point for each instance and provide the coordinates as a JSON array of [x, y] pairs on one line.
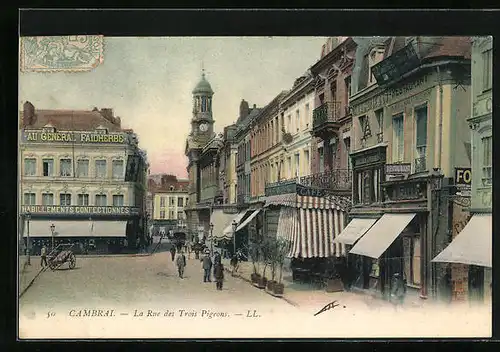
[[376, 55], [49, 128], [101, 129]]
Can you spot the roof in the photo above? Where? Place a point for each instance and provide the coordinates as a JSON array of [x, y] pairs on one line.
[[245, 122], [203, 86], [451, 47], [72, 120]]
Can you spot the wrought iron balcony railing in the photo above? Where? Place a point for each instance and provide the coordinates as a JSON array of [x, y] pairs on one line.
[[339, 179], [420, 164], [243, 199], [328, 112]]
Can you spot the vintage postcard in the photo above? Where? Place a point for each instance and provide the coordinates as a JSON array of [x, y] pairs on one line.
[[255, 187]]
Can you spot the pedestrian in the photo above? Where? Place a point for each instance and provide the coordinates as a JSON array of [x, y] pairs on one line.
[[43, 254], [219, 276], [217, 258], [188, 247], [181, 264], [197, 250], [234, 264], [172, 251], [207, 266], [398, 290]]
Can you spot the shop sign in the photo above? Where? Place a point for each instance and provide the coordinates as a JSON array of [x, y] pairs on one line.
[[73, 137], [310, 192], [463, 178], [398, 169], [78, 210], [459, 272]]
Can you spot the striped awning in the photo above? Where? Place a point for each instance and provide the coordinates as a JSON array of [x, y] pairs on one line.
[[330, 202], [288, 226], [288, 199]]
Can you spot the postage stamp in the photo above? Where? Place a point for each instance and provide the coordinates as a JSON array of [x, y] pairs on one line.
[[61, 53]]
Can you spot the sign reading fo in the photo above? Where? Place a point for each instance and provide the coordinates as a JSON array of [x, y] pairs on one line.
[[79, 210], [73, 137], [463, 177], [397, 169]]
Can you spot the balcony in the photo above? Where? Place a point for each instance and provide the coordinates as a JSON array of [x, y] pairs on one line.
[[420, 165], [243, 199], [326, 120], [335, 180]]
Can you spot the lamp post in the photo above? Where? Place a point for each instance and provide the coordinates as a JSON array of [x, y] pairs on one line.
[[52, 230], [211, 239], [235, 225], [28, 217]]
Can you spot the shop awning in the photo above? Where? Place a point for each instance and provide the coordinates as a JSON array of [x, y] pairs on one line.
[[220, 220], [473, 245], [63, 228], [354, 231], [288, 199], [288, 226], [109, 229], [381, 235], [228, 231], [247, 220]]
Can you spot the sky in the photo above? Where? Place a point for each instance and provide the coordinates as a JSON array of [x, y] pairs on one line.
[[148, 83]]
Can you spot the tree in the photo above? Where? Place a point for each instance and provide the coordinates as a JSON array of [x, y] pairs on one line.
[[282, 250]]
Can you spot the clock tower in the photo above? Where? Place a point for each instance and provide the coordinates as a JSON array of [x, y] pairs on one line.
[[202, 130], [202, 122]]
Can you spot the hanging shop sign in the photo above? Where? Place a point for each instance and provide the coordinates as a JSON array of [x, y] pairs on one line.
[[78, 210], [73, 137]]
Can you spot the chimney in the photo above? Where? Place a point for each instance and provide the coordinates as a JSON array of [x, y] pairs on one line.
[[255, 106], [118, 121], [28, 114], [107, 113], [244, 110]]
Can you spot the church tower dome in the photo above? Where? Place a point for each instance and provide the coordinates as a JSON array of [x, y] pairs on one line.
[[203, 87], [202, 121]]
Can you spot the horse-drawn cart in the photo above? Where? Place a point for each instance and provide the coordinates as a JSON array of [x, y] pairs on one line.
[[61, 254]]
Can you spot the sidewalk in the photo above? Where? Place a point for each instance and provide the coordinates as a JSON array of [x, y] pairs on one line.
[[308, 296]]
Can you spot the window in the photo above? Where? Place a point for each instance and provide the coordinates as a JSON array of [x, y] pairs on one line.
[[306, 161], [321, 153], [180, 202], [48, 167], [118, 200], [487, 144], [65, 199], [65, 169], [306, 116], [47, 199], [82, 168], [117, 167], [398, 138], [297, 165], [172, 215], [297, 120], [30, 167], [83, 199], [100, 168], [289, 127], [162, 202], [101, 200], [289, 164], [172, 201], [179, 215], [379, 114], [365, 127], [29, 199], [487, 69], [421, 122], [367, 187], [162, 214], [347, 142], [347, 89]]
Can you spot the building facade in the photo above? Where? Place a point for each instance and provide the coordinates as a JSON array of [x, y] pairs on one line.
[[410, 102], [82, 180], [170, 200]]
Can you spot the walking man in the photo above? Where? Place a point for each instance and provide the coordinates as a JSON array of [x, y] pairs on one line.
[[43, 254], [181, 264], [207, 266], [172, 252], [234, 264], [398, 290], [219, 276]]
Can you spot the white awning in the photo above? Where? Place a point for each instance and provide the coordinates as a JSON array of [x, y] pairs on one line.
[[109, 229], [247, 220], [228, 231], [381, 235], [63, 228], [220, 221], [354, 231], [473, 245]]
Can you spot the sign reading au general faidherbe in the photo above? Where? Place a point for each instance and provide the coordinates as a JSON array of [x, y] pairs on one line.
[[73, 137], [79, 210]]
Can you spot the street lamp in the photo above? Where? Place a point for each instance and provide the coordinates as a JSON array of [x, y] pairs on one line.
[[211, 239], [28, 217], [52, 229], [235, 225]]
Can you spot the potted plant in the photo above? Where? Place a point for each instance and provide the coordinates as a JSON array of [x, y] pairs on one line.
[[281, 250], [273, 264], [265, 249]]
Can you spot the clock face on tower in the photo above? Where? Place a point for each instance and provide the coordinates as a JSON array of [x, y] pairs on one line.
[[203, 127]]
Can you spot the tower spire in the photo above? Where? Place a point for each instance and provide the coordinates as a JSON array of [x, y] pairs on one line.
[[202, 69]]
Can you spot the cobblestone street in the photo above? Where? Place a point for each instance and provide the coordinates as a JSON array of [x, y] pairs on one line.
[[58, 301]]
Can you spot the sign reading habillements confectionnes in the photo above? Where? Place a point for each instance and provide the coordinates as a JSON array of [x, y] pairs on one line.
[[73, 137], [78, 210]]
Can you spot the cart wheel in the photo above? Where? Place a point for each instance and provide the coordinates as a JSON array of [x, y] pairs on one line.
[[52, 266], [72, 261]]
